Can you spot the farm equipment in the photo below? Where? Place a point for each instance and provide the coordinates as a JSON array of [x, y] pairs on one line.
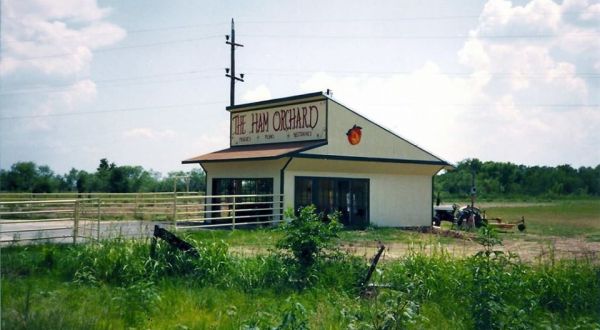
[[498, 224], [471, 217]]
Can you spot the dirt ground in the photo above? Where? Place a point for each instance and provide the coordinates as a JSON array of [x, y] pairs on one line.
[[529, 248]]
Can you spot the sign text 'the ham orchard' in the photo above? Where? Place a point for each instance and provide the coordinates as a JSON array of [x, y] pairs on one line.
[[289, 123]]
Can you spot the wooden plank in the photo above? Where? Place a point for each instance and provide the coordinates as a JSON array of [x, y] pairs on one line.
[[374, 263], [175, 241]]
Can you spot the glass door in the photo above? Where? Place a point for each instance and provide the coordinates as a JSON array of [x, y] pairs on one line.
[[359, 206]]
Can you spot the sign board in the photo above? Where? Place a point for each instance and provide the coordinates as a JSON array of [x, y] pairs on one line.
[[287, 123]]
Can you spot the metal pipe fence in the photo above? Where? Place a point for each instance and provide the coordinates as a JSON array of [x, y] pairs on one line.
[[115, 206], [27, 196], [227, 210], [49, 220], [103, 216]]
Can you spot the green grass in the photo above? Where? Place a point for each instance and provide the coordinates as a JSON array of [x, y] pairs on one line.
[[562, 218], [116, 284], [55, 305], [266, 237]]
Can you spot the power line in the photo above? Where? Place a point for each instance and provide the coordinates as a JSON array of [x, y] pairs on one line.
[[378, 37], [104, 50], [103, 83], [507, 74], [420, 37], [66, 114], [481, 105], [35, 86], [146, 30], [260, 71], [392, 19], [328, 20], [51, 90]]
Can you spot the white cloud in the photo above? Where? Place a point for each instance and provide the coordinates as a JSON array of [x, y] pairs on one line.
[[54, 41], [54, 37], [500, 17], [521, 101], [149, 133], [76, 10], [260, 93], [68, 100]]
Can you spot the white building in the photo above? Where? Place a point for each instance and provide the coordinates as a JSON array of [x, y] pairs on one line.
[[314, 150]]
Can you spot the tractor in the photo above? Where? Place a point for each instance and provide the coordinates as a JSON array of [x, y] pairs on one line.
[[466, 215], [470, 216]]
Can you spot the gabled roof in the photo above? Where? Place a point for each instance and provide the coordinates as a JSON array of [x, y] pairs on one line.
[[402, 150]]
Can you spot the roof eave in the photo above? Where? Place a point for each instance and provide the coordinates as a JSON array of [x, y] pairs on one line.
[[276, 101]]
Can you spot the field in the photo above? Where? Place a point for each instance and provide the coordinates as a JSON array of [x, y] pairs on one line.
[[241, 281]]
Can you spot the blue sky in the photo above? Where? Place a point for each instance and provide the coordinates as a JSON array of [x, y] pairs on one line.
[[142, 82]]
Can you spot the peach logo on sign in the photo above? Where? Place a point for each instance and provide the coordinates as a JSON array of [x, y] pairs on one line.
[[354, 134]]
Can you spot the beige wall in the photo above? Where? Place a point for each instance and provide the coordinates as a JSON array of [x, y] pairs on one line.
[[400, 194], [376, 142], [398, 198]]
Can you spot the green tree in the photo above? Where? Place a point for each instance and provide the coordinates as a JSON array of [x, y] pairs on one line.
[[21, 177], [197, 180], [45, 181]]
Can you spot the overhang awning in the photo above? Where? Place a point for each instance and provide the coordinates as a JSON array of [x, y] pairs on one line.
[[256, 152]]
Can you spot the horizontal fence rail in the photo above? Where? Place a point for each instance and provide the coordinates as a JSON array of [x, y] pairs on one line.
[[76, 195], [227, 210], [156, 206], [53, 217], [49, 220]]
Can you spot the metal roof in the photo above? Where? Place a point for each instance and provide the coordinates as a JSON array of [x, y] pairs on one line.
[[256, 152], [274, 102]]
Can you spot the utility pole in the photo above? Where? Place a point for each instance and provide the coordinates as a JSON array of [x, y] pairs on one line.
[[231, 69]]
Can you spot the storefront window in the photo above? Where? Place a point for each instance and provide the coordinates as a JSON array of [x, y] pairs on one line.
[[259, 207], [350, 197], [235, 186], [303, 193]]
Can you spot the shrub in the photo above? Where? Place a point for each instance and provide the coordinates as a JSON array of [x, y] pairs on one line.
[[307, 236]]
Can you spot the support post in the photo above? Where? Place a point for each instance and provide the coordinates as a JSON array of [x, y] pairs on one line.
[[98, 215], [175, 211], [75, 221], [137, 205], [282, 201], [233, 213]]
